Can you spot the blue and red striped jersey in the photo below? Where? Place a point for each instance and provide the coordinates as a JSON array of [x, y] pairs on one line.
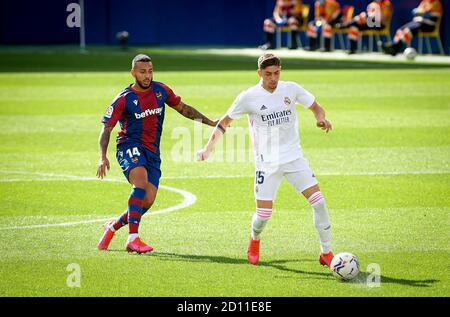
[[141, 114]]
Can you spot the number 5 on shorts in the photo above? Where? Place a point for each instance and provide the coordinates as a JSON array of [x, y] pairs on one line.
[[259, 177]]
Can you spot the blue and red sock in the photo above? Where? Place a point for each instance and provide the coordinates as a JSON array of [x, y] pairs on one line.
[[123, 219], [135, 203], [134, 212]]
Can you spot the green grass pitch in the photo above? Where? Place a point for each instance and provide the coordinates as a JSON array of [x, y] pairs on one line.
[[384, 171]]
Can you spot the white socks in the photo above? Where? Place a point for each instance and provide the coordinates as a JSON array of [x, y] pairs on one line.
[[321, 220], [110, 226], [131, 237], [259, 221]]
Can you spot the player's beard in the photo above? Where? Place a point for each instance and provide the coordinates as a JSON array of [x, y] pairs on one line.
[[142, 85]]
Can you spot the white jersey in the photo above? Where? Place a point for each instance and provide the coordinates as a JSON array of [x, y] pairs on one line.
[[273, 120]]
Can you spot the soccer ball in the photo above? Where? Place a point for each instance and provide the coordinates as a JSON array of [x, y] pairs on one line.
[[410, 53], [345, 266]]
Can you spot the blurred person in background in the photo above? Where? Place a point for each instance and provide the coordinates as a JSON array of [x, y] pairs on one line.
[[376, 17], [286, 13], [425, 17], [327, 13]]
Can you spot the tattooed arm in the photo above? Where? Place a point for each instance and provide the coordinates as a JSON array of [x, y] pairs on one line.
[[193, 114]]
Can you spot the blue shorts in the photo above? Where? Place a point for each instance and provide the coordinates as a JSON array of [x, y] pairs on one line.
[[131, 156]]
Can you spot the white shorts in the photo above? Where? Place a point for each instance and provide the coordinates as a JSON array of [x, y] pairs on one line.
[[268, 178]]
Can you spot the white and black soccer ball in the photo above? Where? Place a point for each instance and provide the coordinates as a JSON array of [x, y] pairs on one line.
[[410, 53], [345, 266]]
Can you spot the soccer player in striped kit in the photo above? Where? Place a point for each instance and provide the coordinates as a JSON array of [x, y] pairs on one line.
[[272, 114], [140, 109]]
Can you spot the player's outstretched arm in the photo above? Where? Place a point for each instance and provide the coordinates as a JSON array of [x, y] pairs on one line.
[[217, 133], [319, 113], [103, 141], [193, 114]]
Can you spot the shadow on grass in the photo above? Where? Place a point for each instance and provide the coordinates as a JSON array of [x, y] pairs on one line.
[[362, 278], [277, 264]]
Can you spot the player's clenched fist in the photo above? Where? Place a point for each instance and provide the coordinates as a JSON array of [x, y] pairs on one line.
[[324, 125]]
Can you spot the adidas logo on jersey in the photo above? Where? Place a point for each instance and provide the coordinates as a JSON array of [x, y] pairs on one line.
[[263, 107], [148, 112]]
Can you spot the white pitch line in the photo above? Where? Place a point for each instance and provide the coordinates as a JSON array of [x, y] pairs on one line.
[[188, 200], [51, 176], [63, 224], [318, 174]]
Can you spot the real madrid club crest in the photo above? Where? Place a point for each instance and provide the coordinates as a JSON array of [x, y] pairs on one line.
[[158, 95], [287, 101]]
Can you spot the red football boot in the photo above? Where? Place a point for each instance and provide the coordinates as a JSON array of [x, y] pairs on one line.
[[108, 234], [253, 252], [138, 246], [325, 258]]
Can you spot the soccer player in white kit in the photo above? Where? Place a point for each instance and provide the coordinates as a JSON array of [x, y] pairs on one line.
[[271, 109]]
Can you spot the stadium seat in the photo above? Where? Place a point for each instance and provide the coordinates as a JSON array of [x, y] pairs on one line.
[[302, 28], [386, 32], [427, 35], [347, 12]]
